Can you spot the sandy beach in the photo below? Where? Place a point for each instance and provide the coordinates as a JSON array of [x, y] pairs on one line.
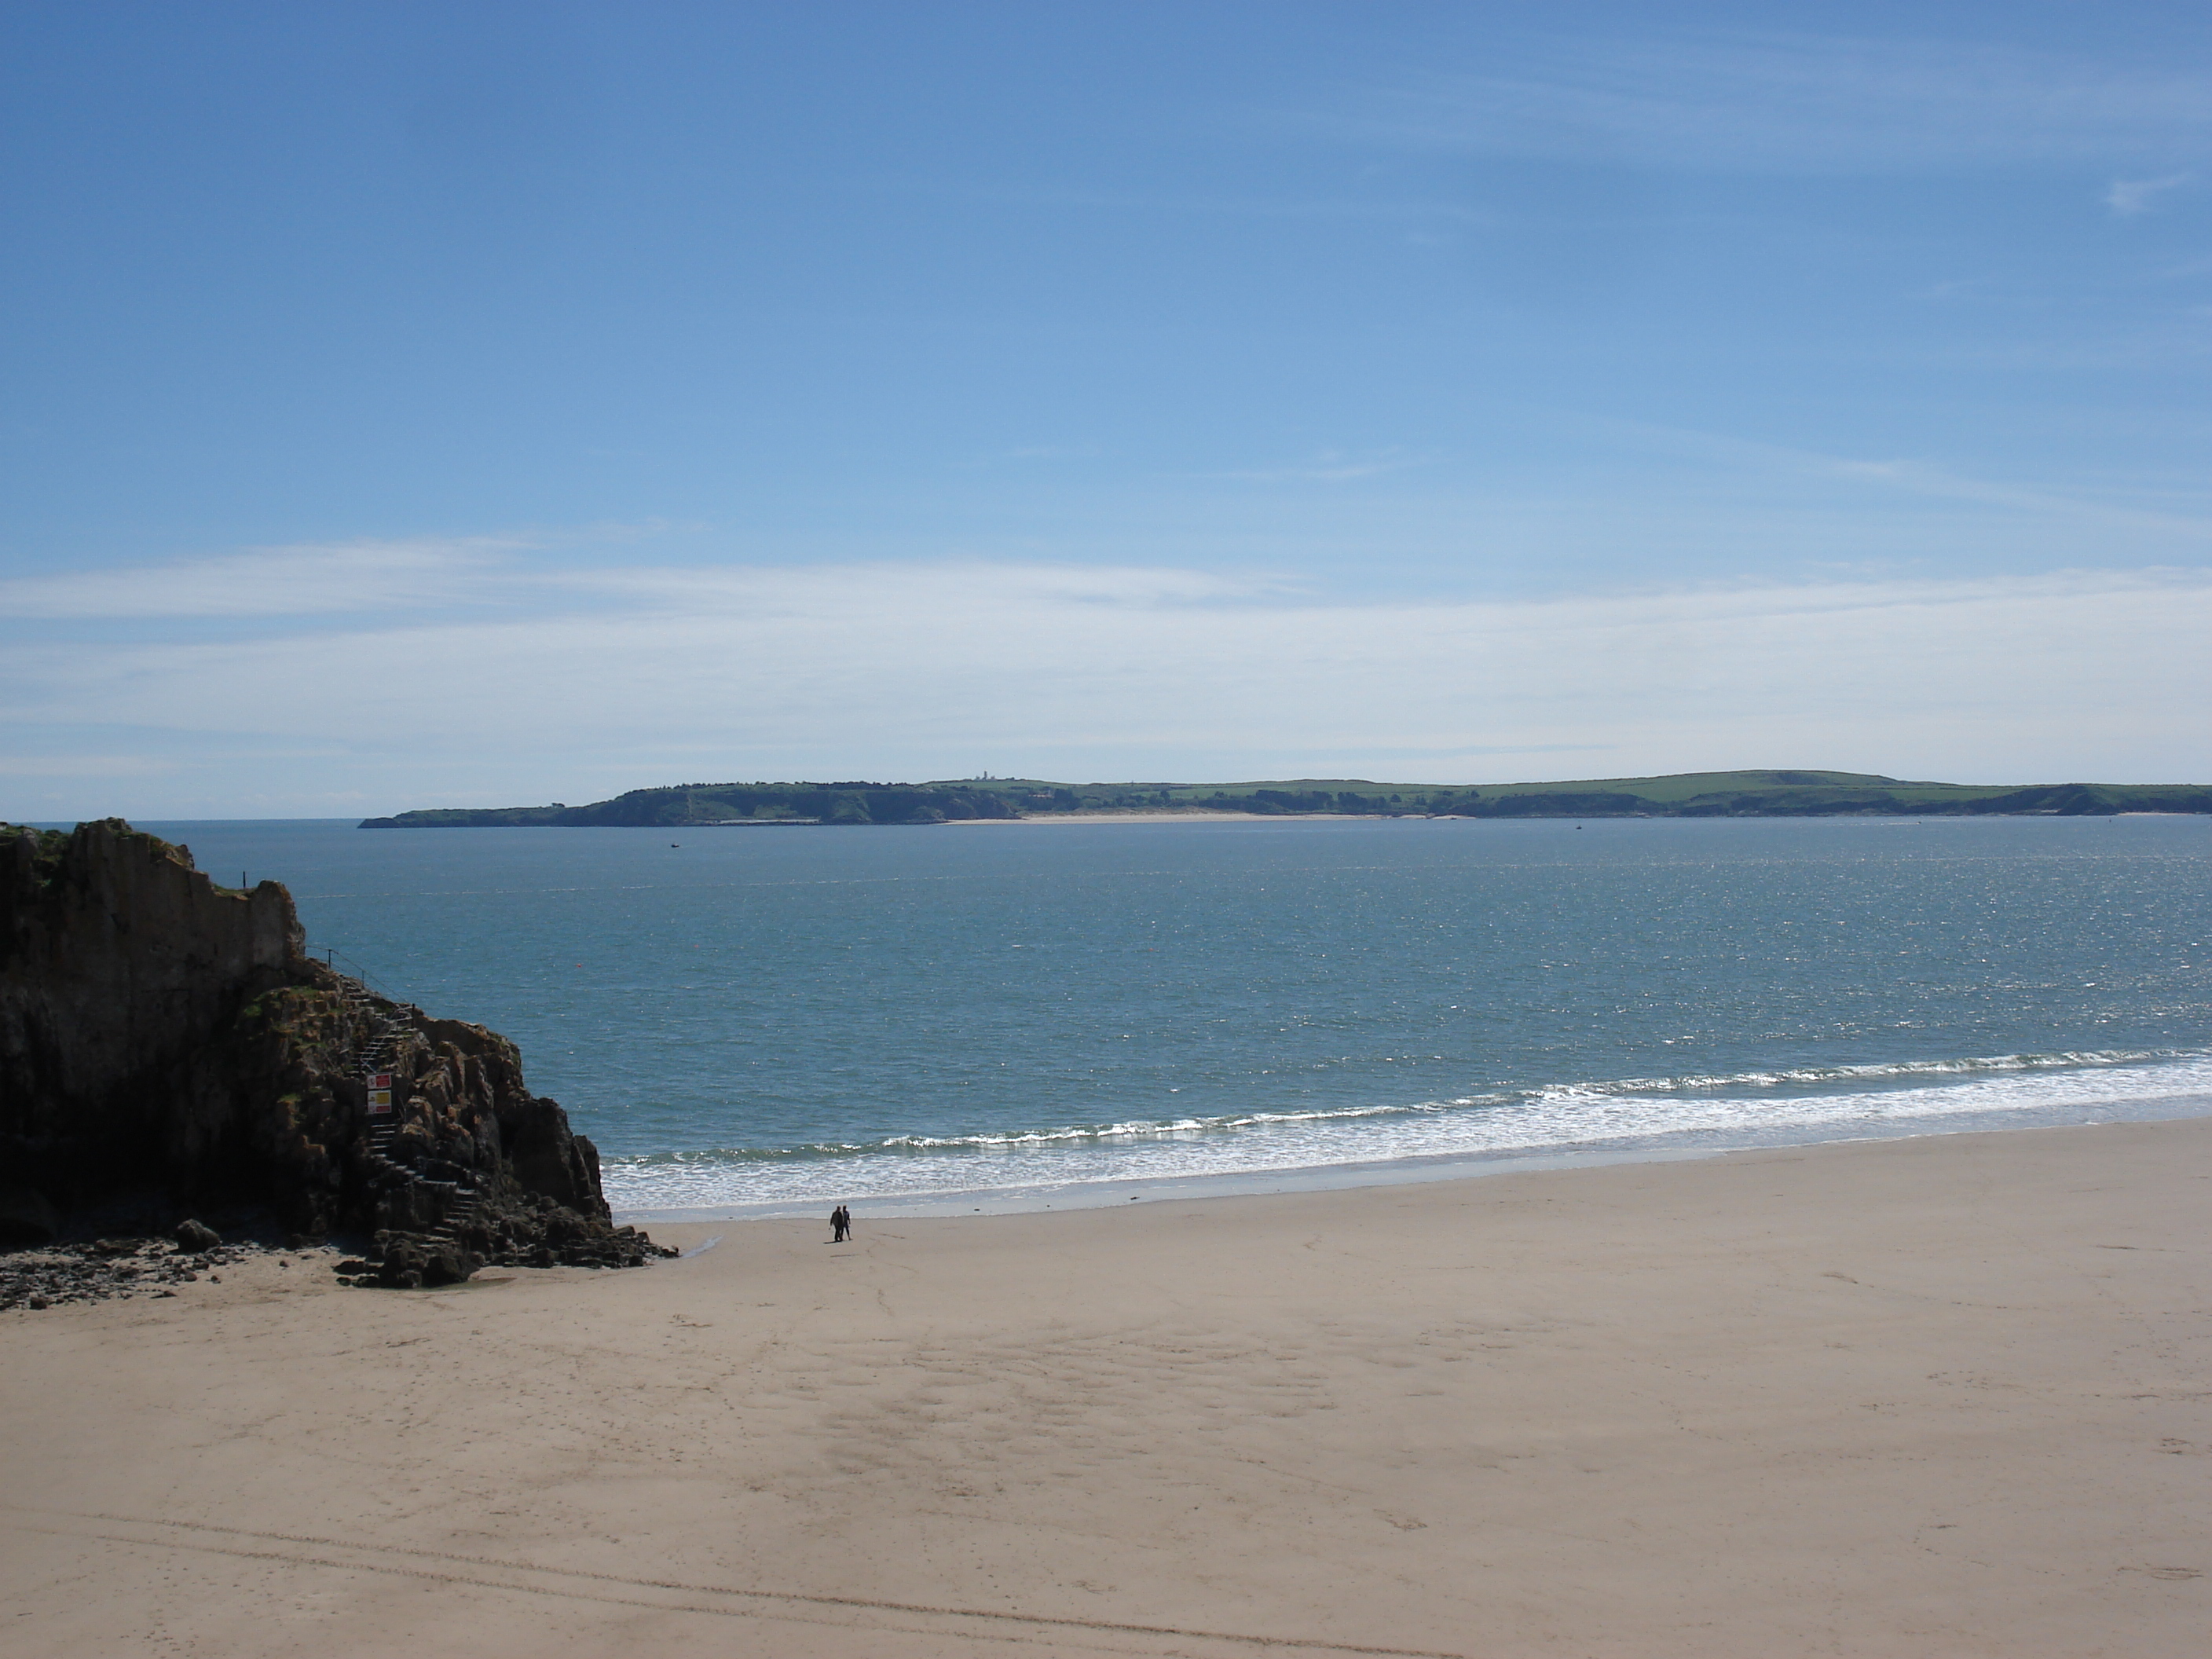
[[1159, 817], [1942, 1396]]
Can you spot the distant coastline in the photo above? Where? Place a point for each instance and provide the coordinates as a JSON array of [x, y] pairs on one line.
[[1679, 795]]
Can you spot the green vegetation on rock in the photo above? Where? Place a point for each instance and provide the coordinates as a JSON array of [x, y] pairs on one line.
[[733, 804]]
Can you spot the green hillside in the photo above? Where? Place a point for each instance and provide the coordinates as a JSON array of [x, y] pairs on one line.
[[1684, 794]]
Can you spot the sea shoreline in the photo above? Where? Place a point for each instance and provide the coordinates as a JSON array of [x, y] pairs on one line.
[[1060, 1197]]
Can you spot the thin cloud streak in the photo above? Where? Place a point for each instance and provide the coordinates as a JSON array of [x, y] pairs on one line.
[[1327, 467], [272, 581], [1914, 477], [1783, 103]]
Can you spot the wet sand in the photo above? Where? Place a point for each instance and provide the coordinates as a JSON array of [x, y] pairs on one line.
[[1942, 1396]]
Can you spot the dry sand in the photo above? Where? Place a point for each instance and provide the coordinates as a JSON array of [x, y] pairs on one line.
[[1945, 1396]]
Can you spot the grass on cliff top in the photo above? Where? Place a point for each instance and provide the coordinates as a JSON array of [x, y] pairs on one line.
[[1668, 789], [46, 846]]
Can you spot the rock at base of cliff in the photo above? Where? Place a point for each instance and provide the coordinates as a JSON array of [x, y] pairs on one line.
[[191, 1234], [534, 1233]]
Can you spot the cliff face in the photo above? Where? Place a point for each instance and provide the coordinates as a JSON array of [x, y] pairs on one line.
[[118, 963], [160, 1032]]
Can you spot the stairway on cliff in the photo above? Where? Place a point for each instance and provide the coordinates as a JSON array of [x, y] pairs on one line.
[[461, 1208], [389, 1025]]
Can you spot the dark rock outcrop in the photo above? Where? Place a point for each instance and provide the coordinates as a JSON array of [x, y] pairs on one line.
[[56, 1275], [158, 1032]]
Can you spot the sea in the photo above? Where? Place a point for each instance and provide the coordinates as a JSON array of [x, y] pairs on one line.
[[760, 1020]]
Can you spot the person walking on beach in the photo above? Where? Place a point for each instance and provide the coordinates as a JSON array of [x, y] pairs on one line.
[[841, 1225]]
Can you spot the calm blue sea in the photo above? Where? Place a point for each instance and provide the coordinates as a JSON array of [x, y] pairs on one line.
[[973, 1015]]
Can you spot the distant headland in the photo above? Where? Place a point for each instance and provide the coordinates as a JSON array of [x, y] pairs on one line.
[[1793, 794]]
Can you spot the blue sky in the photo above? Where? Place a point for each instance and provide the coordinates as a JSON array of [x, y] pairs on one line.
[[468, 405]]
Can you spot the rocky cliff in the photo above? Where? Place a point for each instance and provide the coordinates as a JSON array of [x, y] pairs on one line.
[[161, 1033]]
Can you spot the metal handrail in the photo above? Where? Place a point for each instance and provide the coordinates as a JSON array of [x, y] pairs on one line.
[[330, 953]]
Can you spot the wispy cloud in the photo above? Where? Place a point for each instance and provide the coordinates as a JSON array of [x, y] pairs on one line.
[[922, 671], [1772, 103], [2128, 197]]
